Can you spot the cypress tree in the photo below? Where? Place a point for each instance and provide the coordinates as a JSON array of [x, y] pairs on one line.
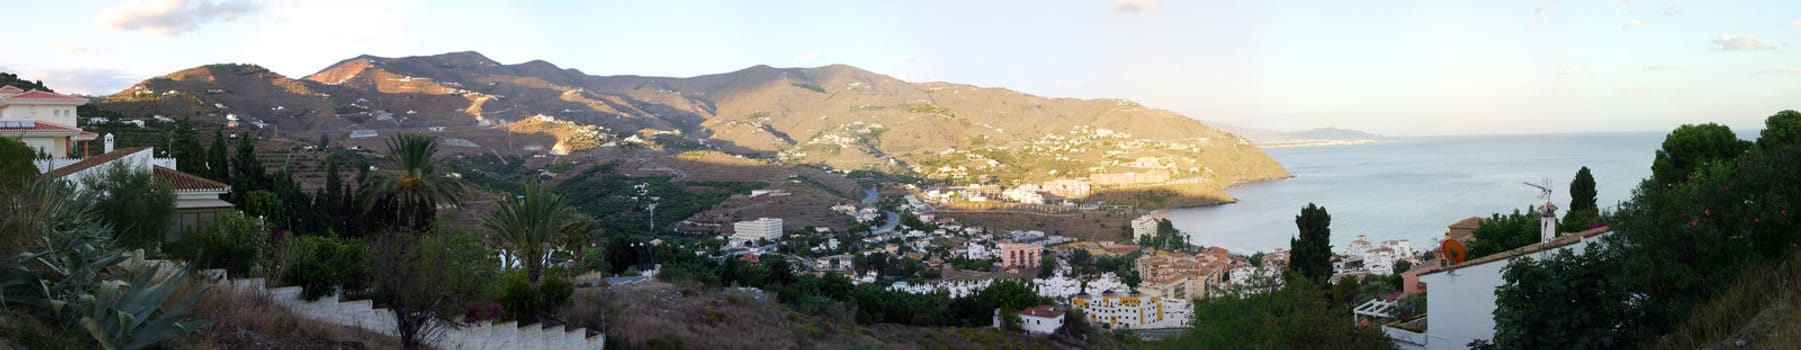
[[216, 167], [1310, 253]]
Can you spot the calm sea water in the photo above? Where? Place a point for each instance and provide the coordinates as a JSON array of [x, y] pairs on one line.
[[1412, 187]]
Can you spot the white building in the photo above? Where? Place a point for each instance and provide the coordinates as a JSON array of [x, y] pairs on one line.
[[1144, 226], [1462, 296], [42, 120], [1042, 319], [761, 228], [1134, 310]]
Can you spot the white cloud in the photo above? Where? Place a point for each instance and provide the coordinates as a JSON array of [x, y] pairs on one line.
[[83, 81], [75, 49], [1634, 23], [1659, 68], [1129, 6], [1741, 43], [1796, 23], [1671, 10], [808, 58], [1571, 70], [170, 17]]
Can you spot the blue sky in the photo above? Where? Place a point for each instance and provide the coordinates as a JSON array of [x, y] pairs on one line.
[[1391, 67]]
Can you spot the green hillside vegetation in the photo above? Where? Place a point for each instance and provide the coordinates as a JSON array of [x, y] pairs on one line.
[[1718, 213]]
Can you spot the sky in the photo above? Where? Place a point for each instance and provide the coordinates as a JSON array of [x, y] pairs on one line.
[[1391, 67]]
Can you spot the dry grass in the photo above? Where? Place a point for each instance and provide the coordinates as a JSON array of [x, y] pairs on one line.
[[246, 319], [1760, 309]]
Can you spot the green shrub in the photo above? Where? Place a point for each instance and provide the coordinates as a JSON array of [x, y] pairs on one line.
[[326, 263], [554, 292], [516, 295], [235, 242]]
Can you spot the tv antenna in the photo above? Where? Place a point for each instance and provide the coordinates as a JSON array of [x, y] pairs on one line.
[[1544, 188]]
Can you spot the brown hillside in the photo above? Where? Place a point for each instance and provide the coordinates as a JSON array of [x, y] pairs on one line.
[[836, 115]]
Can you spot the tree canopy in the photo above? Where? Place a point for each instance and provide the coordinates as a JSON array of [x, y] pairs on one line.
[[1691, 146], [1310, 253]]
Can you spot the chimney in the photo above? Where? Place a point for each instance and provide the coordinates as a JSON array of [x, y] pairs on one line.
[[109, 143], [1547, 216]]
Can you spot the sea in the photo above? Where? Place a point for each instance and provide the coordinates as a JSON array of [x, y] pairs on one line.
[[1412, 187]]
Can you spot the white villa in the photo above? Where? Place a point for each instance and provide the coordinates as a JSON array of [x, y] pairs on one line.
[[761, 228], [47, 121]]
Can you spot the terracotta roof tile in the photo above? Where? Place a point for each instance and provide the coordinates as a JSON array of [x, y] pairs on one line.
[[1045, 311], [185, 182], [44, 95], [90, 162]]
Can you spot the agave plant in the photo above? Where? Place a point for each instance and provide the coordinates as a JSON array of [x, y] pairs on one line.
[[129, 316]]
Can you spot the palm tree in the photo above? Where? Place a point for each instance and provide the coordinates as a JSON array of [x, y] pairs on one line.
[[529, 225], [416, 188]]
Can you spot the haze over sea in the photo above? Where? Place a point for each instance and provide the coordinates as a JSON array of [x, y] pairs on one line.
[[1412, 187]]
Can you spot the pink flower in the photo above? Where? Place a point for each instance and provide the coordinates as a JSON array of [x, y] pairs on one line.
[[1708, 212]]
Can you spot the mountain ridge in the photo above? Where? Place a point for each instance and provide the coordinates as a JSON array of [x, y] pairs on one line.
[[837, 115]]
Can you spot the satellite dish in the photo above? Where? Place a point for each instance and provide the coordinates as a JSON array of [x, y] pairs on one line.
[[1454, 252]]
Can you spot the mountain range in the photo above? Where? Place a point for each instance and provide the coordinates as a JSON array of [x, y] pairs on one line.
[[1317, 136], [835, 115]]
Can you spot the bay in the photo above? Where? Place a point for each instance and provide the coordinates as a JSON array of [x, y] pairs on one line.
[[1412, 187]]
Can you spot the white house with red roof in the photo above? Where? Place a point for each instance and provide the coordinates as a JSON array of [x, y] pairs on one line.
[[46, 121], [43, 120]]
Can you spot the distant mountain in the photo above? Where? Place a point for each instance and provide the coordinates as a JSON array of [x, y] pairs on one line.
[[1310, 137], [836, 115]]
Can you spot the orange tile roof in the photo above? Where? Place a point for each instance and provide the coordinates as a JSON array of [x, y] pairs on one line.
[[185, 182], [45, 95], [90, 162], [1045, 311]]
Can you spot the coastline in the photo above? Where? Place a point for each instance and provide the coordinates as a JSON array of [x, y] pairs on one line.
[[1319, 143]]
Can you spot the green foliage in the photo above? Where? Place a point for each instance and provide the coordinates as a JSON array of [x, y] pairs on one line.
[[1710, 213], [15, 163], [527, 303], [1047, 266], [1690, 147], [234, 242], [1582, 211], [530, 224], [1568, 301], [264, 204], [326, 263], [189, 157], [129, 316], [1783, 128], [1503, 232], [1311, 253], [424, 277], [137, 207], [415, 186], [217, 168], [10, 79], [1295, 317]]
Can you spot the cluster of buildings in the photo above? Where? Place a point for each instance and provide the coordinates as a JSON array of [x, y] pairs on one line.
[[46, 122], [1377, 259], [1182, 275]]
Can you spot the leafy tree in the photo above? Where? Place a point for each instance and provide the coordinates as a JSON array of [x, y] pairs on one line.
[[1298, 316], [137, 207], [15, 163], [1503, 232], [1047, 266], [185, 148], [529, 225], [1310, 254], [1566, 301], [424, 277], [216, 167], [1347, 290], [1402, 266], [1582, 210], [415, 187], [265, 205], [7, 79], [248, 174], [1783, 128], [1691, 146]]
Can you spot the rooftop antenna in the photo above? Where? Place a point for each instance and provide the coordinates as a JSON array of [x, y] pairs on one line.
[[1544, 188]]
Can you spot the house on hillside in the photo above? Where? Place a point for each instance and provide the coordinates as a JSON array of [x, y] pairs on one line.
[[1462, 297], [43, 120]]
